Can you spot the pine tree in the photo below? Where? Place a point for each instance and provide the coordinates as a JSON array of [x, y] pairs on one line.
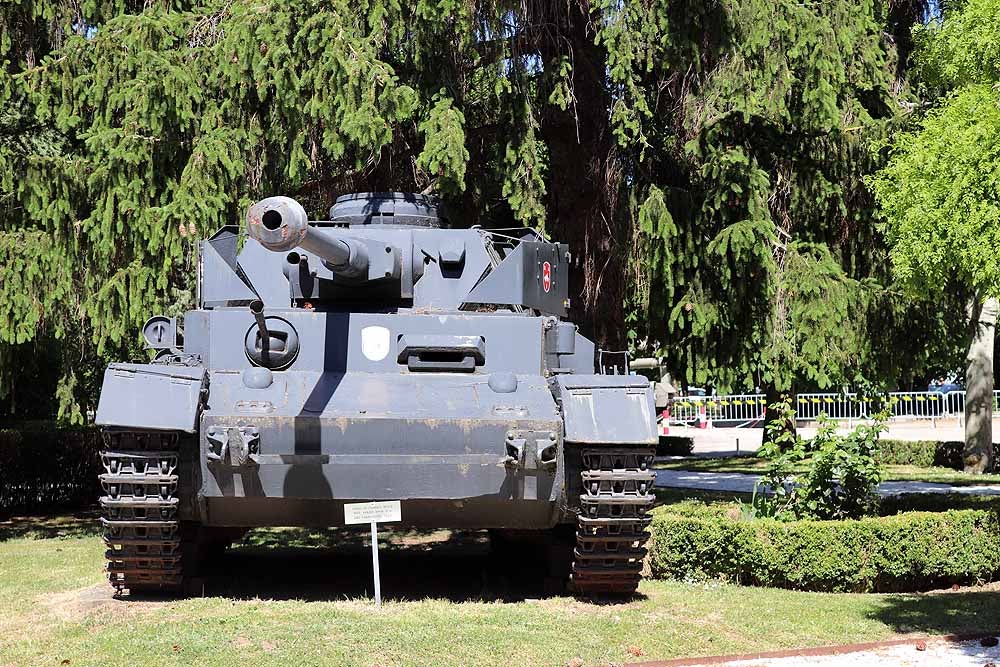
[[703, 160], [757, 258]]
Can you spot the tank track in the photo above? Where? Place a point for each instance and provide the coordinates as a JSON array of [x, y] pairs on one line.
[[139, 510], [611, 526]]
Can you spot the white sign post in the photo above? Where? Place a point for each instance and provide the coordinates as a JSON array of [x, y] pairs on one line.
[[372, 513]]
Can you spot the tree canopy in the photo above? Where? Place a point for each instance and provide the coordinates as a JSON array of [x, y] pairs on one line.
[[753, 212], [704, 160], [940, 191]]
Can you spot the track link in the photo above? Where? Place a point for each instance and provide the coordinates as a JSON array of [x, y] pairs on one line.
[[142, 530], [611, 526]]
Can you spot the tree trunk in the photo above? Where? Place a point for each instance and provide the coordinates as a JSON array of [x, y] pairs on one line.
[[978, 455], [583, 179]]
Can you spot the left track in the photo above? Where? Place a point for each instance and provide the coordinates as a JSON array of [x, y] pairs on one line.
[[139, 510]]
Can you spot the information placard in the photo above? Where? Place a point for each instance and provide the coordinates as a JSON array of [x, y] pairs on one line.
[[372, 514], [386, 510]]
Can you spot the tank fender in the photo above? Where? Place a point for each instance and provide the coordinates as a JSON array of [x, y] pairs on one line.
[[607, 409], [152, 396]]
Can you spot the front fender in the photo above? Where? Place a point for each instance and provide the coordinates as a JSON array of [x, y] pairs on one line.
[[608, 409], [152, 396]]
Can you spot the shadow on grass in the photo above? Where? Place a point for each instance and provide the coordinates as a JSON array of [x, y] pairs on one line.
[[334, 564], [699, 503], [962, 612], [46, 527], [747, 464]]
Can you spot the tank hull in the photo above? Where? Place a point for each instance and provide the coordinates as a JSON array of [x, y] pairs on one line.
[[438, 443]]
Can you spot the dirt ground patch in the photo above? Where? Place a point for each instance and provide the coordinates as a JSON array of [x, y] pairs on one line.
[[85, 602]]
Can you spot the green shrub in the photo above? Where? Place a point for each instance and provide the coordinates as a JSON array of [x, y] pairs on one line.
[[774, 492], [936, 502], [924, 453], [905, 552], [841, 475], [951, 454], [674, 445], [42, 468], [921, 453]]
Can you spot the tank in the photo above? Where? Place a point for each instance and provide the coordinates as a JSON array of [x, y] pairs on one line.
[[383, 354]]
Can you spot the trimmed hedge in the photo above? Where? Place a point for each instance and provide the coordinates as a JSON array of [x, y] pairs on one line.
[[936, 502], [674, 445], [905, 552], [42, 468], [908, 452], [925, 453]]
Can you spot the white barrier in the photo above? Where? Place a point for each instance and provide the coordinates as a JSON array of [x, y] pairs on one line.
[[955, 404], [908, 405], [808, 407], [731, 409], [748, 409], [901, 405]]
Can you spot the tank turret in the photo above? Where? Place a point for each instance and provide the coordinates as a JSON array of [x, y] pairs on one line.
[[392, 249]]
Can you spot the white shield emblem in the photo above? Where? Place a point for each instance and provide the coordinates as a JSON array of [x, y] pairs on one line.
[[375, 343]]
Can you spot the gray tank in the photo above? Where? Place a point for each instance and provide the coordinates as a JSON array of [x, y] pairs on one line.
[[379, 355]]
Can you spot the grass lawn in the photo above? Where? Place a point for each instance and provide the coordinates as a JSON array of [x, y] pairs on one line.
[[307, 604], [755, 466]]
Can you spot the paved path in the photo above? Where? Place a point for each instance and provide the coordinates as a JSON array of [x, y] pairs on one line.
[[911, 653], [730, 441], [742, 483]]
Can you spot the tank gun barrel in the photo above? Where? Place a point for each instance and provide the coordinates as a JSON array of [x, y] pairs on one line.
[[281, 224]]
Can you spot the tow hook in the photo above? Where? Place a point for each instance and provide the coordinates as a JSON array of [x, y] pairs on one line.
[[515, 451], [233, 445], [542, 455]]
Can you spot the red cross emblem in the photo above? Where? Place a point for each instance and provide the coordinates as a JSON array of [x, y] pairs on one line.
[[546, 276]]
